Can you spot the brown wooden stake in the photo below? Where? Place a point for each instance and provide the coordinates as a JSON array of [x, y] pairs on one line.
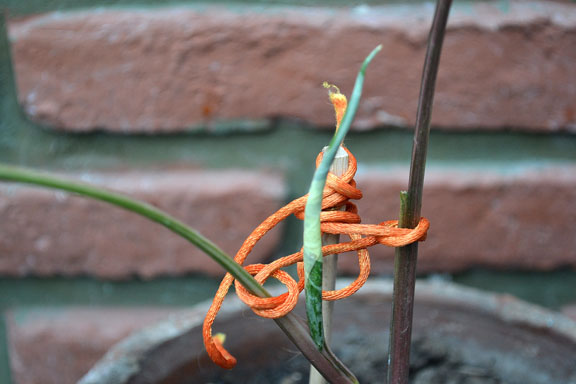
[[406, 257], [329, 267]]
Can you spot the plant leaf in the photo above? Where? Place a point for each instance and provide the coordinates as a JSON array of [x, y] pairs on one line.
[[312, 233]]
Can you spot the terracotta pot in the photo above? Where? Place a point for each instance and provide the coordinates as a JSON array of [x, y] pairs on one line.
[[477, 334]]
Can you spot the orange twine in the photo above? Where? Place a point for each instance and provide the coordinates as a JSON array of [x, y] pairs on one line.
[[337, 193]]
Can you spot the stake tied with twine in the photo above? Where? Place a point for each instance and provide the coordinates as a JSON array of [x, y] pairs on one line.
[[337, 194]]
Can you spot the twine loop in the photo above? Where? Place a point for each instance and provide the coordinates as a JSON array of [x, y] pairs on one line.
[[336, 195]]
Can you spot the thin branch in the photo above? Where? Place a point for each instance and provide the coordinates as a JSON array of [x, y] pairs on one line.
[[406, 257], [292, 325]]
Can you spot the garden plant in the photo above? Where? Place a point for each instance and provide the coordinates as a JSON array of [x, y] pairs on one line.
[[325, 210]]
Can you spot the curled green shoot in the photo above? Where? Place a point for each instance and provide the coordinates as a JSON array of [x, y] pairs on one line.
[[312, 233]]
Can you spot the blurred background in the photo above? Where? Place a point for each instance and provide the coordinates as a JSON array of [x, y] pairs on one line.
[[215, 112]]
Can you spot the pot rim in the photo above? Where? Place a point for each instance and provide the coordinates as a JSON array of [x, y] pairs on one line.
[[122, 361]]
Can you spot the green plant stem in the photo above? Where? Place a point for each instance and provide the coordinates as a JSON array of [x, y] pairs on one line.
[[313, 258], [332, 369], [10, 173], [406, 257]]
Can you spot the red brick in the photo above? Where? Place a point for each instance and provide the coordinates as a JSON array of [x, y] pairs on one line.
[[515, 220], [58, 346], [45, 232], [169, 69]]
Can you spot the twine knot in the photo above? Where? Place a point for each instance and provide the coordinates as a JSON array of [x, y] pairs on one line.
[[336, 195]]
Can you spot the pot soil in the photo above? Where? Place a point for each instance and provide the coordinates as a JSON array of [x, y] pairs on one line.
[[460, 336]]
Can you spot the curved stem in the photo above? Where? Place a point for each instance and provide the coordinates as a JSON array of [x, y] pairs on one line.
[[21, 175], [291, 324]]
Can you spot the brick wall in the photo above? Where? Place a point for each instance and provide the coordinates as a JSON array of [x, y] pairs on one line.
[[216, 113]]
